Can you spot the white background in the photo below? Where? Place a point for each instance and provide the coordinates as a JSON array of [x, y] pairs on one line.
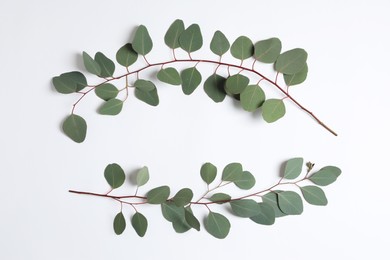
[[347, 88]]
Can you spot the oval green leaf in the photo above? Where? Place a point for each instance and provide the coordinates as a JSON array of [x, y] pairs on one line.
[[158, 195], [297, 78], [242, 48], [139, 223], [114, 175], [75, 128], [146, 91], [107, 66], [91, 65], [266, 215], [142, 176], [208, 172], [293, 168], [271, 198], [220, 198], [236, 84], [191, 79], [325, 176], [273, 110], [292, 61], [217, 225], [314, 195], [119, 223], [290, 202], [214, 87], [111, 107], [246, 181], [219, 43], [252, 97], [171, 38], [106, 91], [175, 215], [69, 82], [268, 51], [191, 39], [245, 208], [183, 197], [232, 172], [169, 76], [126, 55], [142, 43], [191, 219]]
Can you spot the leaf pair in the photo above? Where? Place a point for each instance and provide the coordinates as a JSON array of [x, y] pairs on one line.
[[100, 65], [189, 39], [138, 221]]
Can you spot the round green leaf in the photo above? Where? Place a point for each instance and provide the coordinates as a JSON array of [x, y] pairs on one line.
[[158, 195], [114, 175], [69, 82], [107, 66], [236, 84], [119, 223], [314, 195], [106, 91], [146, 91], [232, 172], [252, 97], [171, 38], [245, 208], [271, 198], [219, 43], [191, 79], [208, 172], [268, 51], [142, 43], [292, 61], [175, 215], [111, 107], [170, 76], [214, 87], [246, 181], [142, 176], [266, 215], [91, 65], [273, 110], [139, 223], [220, 198], [217, 225], [293, 168], [183, 197], [297, 78], [75, 128], [290, 202], [191, 39], [242, 48], [325, 176], [126, 55], [191, 219]]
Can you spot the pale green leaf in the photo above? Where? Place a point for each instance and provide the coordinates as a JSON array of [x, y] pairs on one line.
[[293, 168], [191, 78], [126, 55], [183, 197], [232, 172], [75, 128], [242, 48], [236, 84], [214, 87], [91, 65], [314, 195], [266, 215], [142, 176], [142, 43], [246, 181], [252, 97], [217, 225], [139, 223], [208, 172], [273, 110], [114, 175], [191, 39], [158, 195], [325, 176], [191, 219], [292, 61], [111, 107], [297, 78], [220, 198], [170, 76], [119, 223], [245, 208], [219, 43], [175, 215], [290, 202], [106, 91], [107, 66], [268, 51], [271, 198], [171, 38]]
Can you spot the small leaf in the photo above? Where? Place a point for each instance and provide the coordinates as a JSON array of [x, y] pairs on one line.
[[142, 176], [126, 55], [220, 198], [107, 66], [91, 65], [219, 43], [236, 84], [208, 172], [171, 38], [293, 168], [191, 78], [325, 176], [139, 223], [158, 195], [271, 198], [119, 223], [191, 39], [175, 215], [245, 208], [183, 197], [69, 82], [114, 175], [242, 48], [142, 43], [214, 87], [273, 110], [170, 76], [217, 225], [106, 91], [146, 91], [191, 219], [291, 62], [252, 97], [314, 195], [297, 78], [111, 107], [290, 202], [246, 181], [268, 51], [266, 215], [75, 128], [232, 172]]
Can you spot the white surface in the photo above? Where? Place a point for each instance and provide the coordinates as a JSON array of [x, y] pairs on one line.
[[347, 88]]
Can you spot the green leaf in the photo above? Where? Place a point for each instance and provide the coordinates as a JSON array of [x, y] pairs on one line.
[[268, 51], [111, 107], [176, 215], [292, 61], [119, 223], [191, 39], [191, 78], [115, 176], [242, 48], [208, 172], [297, 78], [266, 215], [290, 202], [171, 38], [273, 110], [69, 82], [139, 223], [181, 226], [232, 172], [245, 208], [325, 176], [146, 91], [158, 195], [314, 195], [217, 225], [170, 76], [252, 97], [142, 176], [142, 43], [106, 91], [236, 84], [126, 55], [246, 181], [91, 65], [220, 198], [293, 168], [214, 87], [75, 128], [183, 197], [191, 219], [107, 66], [271, 198], [219, 43]]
